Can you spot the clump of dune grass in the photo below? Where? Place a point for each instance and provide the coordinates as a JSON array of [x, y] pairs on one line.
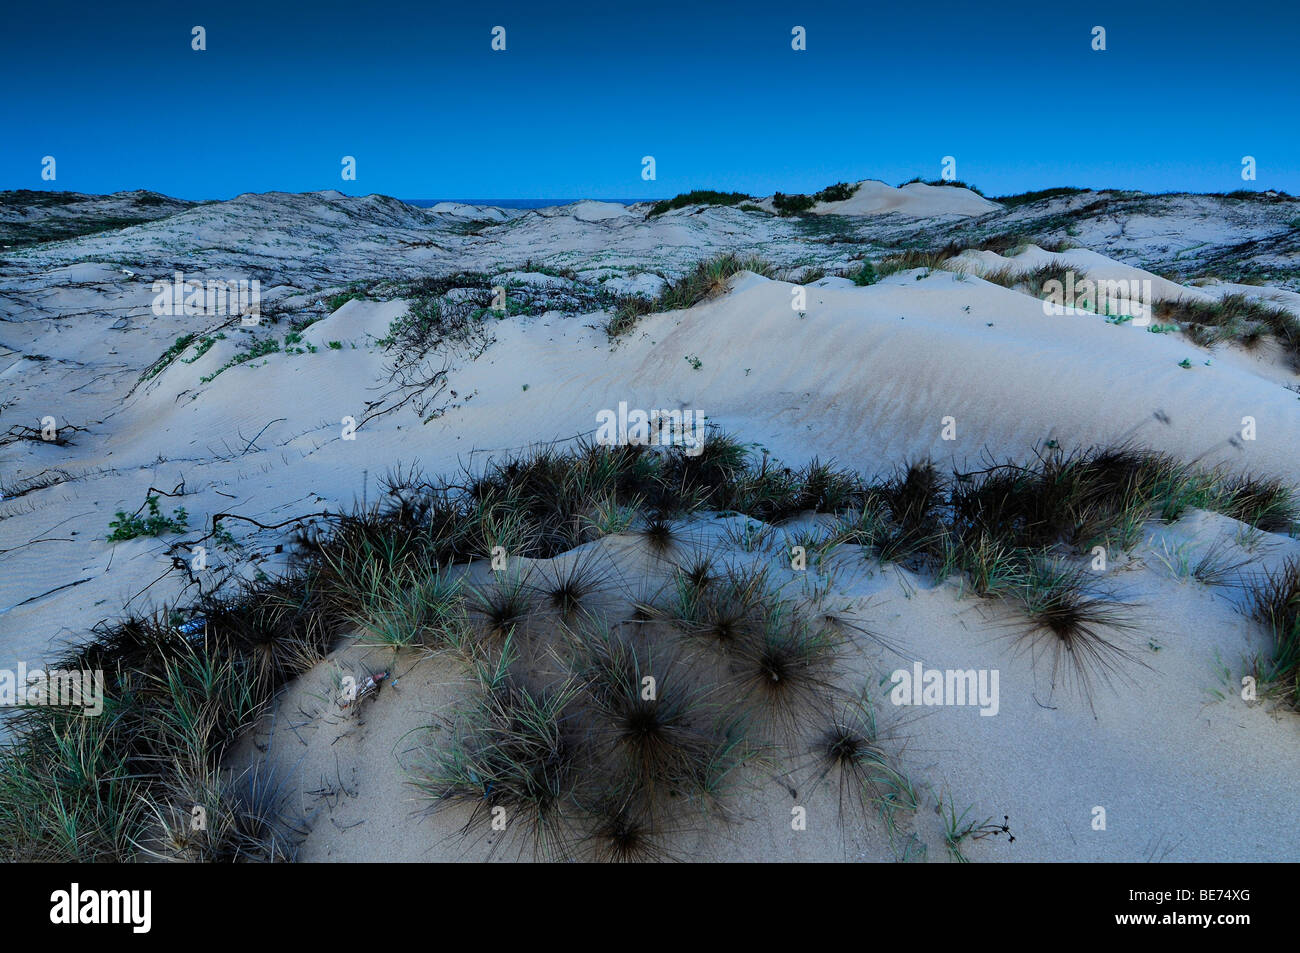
[[914, 258], [409, 609], [785, 672], [1275, 602], [82, 787], [847, 749], [865, 274], [728, 613], [625, 833], [1082, 629], [245, 819], [514, 760], [498, 607], [823, 487], [659, 533], [1234, 317], [1078, 498], [1008, 276], [566, 588], [628, 310], [709, 279], [653, 725], [1035, 280], [910, 500], [706, 280], [1263, 502]]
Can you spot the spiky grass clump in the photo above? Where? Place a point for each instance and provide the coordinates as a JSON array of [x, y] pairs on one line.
[[244, 820], [568, 585], [786, 673], [626, 834], [514, 762], [1275, 601], [732, 611], [822, 487], [697, 575], [911, 500], [1035, 280], [1077, 625], [1079, 498], [502, 605], [649, 720], [660, 534], [990, 565], [848, 749]]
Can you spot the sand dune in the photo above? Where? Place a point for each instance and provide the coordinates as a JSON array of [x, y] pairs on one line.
[[940, 364]]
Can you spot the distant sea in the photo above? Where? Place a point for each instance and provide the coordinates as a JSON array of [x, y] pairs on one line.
[[517, 203]]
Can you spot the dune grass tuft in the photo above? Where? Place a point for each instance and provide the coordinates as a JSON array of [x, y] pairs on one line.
[[707, 279]]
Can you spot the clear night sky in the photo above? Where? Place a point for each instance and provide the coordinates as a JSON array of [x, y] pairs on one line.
[[712, 90]]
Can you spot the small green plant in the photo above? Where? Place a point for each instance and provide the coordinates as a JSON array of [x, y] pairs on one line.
[[694, 361], [958, 828], [1184, 363], [866, 275], [335, 345], [257, 349], [157, 367], [153, 523], [204, 345], [334, 302]]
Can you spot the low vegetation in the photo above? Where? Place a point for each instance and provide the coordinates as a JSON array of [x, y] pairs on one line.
[[149, 520], [560, 730], [1027, 198], [1237, 318], [697, 197], [706, 280], [954, 183]]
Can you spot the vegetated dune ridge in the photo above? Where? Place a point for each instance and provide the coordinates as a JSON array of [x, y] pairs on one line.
[[863, 375]]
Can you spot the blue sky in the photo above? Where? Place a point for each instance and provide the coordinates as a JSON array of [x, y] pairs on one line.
[[712, 90]]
